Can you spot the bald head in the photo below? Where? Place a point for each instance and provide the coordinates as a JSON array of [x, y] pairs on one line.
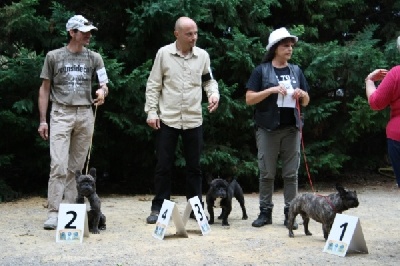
[[186, 34], [183, 22]]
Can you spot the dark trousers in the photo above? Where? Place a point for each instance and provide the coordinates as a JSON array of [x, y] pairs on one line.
[[394, 155], [166, 141]]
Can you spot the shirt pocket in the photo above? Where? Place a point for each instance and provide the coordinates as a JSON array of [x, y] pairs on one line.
[[196, 78]]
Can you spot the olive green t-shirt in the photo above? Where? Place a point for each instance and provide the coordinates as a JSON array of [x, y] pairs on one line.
[[71, 75]]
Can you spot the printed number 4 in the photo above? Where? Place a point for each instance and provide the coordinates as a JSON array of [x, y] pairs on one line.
[[344, 226], [68, 225], [164, 215]]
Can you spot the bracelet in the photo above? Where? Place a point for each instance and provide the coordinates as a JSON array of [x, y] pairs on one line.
[[43, 123]]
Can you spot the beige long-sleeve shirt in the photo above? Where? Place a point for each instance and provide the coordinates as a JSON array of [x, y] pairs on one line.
[[173, 90]]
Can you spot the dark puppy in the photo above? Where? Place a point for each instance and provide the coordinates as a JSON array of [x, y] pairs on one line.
[[86, 186], [223, 191], [322, 209]]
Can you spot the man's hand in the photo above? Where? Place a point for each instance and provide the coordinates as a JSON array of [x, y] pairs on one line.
[[154, 123], [213, 103], [43, 130], [101, 95]]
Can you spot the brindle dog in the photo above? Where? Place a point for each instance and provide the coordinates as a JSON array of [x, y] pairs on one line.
[[322, 209], [86, 186]]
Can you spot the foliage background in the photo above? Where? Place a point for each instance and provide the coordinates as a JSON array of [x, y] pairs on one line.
[[340, 43]]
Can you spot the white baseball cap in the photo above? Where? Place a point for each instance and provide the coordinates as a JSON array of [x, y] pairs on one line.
[[278, 35], [80, 23]]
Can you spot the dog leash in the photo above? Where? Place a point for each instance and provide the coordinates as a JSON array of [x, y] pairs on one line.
[[91, 141], [302, 145]]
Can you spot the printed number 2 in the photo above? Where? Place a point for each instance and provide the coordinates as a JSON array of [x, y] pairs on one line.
[[344, 226], [199, 212], [69, 226]]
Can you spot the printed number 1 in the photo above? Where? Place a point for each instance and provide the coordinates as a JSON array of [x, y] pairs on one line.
[[68, 225], [344, 226]]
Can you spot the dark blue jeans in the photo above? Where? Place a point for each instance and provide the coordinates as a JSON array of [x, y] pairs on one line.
[[394, 155], [166, 141]]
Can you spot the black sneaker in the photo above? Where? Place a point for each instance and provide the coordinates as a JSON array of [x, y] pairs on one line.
[[152, 219]]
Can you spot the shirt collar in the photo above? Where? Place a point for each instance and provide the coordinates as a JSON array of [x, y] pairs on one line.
[[175, 51]]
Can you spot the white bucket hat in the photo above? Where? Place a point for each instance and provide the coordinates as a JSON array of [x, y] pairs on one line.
[[80, 23], [278, 35]]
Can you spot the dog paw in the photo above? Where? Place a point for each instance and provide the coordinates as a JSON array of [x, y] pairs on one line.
[[94, 231], [291, 234], [245, 217], [103, 227], [225, 223], [211, 221], [219, 217], [308, 233]]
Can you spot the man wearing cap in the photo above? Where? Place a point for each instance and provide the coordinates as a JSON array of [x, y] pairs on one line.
[[277, 88], [67, 77]]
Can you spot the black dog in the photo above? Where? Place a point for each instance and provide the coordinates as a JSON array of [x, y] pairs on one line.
[[322, 209], [86, 186], [224, 191]]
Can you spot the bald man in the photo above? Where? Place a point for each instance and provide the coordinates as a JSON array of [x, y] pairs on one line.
[[173, 107]]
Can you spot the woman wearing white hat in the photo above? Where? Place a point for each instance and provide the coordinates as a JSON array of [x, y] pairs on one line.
[[276, 88]]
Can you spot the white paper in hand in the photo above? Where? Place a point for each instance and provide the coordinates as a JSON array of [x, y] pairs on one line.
[[102, 76], [287, 100]]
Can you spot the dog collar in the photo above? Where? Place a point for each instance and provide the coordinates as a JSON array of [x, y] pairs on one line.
[[330, 203]]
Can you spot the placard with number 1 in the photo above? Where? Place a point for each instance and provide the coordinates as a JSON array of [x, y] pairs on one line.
[[346, 234]]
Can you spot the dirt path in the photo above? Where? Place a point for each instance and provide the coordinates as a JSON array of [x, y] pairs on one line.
[[128, 239]]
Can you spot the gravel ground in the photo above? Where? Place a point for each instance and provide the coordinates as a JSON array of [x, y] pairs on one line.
[[128, 239]]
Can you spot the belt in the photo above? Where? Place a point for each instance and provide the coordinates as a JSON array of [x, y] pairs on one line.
[[73, 106], [78, 106]]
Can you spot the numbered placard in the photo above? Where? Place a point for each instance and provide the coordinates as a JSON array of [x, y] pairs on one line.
[[72, 223], [346, 234], [167, 211], [201, 218]]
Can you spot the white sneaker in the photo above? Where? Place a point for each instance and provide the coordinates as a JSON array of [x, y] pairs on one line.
[[50, 224]]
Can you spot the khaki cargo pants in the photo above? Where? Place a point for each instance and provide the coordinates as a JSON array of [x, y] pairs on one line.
[[71, 130]]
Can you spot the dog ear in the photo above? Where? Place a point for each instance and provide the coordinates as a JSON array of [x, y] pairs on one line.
[[78, 173], [92, 172], [229, 178], [340, 189], [209, 178]]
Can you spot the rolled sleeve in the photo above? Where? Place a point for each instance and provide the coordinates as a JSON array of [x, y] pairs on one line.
[[210, 86]]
